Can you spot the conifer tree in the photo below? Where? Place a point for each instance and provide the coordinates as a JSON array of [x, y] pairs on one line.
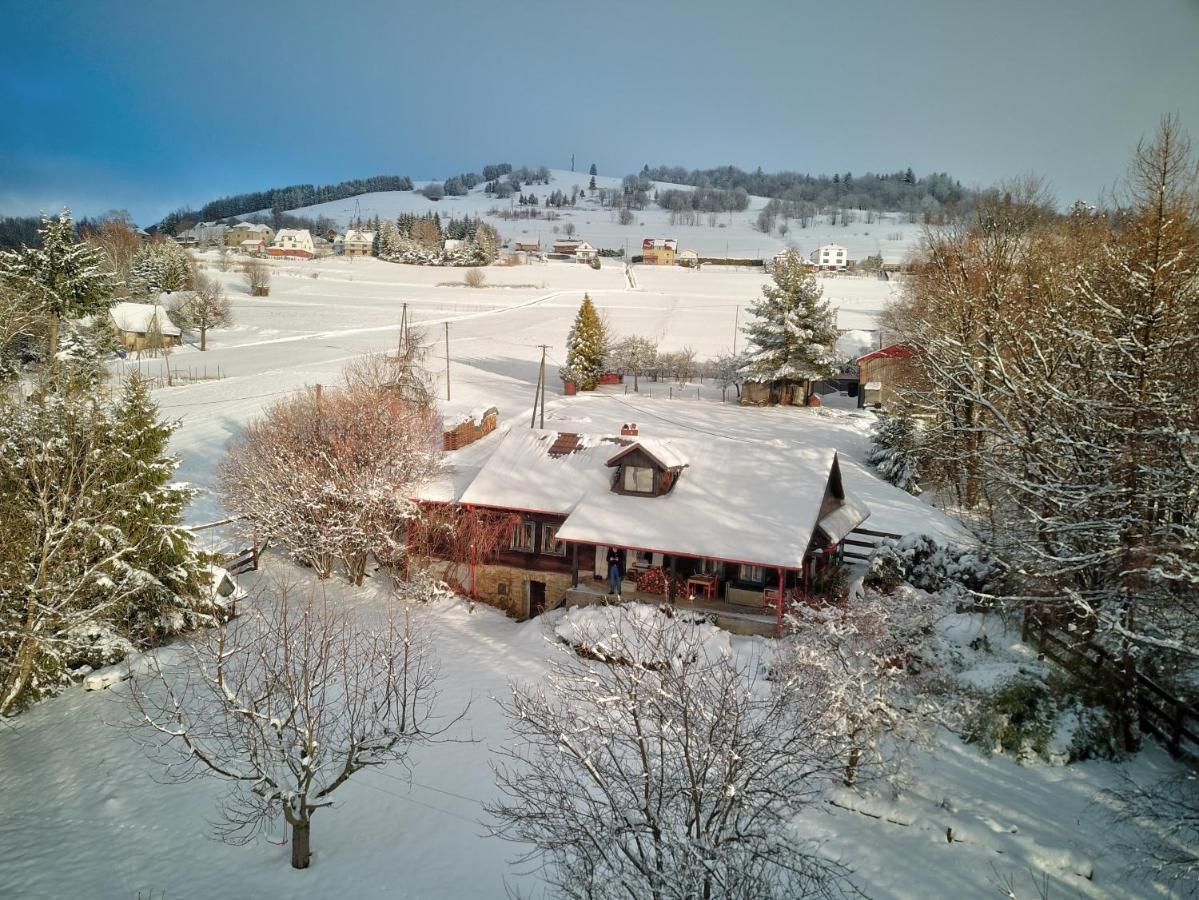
[[792, 331], [593, 171], [151, 506], [585, 348], [893, 451], [69, 278]]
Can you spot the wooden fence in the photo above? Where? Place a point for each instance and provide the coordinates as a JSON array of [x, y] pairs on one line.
[[1174, 722]]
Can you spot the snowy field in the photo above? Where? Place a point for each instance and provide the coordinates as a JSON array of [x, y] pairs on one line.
[[733, 235], [85, 817], [323, 313]]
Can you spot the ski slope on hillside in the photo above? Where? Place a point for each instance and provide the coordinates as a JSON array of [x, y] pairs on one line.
[[734, 234]]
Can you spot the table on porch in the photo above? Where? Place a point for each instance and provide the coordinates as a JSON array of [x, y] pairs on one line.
[[708, 585]]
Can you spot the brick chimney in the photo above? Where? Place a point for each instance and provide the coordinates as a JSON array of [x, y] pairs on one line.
[[628, 430]]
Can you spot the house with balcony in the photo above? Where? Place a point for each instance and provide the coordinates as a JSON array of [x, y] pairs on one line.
[[732, 528]]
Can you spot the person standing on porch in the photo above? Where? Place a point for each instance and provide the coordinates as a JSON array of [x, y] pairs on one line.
[[614, 572]]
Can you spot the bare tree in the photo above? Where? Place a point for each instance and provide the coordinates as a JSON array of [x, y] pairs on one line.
[[474, 278], [868, 650], [205, 307], [726, 370], [568, 229], [287, 703], [258, 277], [330, 473], [224, 260], [1159, 827], [671, 772], [633, 355]]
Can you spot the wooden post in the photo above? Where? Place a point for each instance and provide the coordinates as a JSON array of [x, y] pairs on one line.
[[574, 565], [782, 585], [447, 361], [670, 582]]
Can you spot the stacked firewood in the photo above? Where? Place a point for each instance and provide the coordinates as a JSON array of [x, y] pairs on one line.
[[654, 580]]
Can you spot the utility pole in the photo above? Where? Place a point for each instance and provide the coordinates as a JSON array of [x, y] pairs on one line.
[[447, 362], [736, 321], [539, 396], [402, 349]]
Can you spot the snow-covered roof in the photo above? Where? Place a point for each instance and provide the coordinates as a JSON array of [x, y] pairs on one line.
[[665, 453], [295, 234], [523, 474], [249, 226], [584, 246], [138, 318], [754, 503], [252, 242], [823, 247], [845, 518], [355, 236]]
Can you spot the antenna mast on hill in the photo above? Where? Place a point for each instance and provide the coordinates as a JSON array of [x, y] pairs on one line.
[[357, 213]]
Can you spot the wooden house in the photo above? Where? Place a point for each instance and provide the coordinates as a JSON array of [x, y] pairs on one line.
[[566, 247], [136, 324], [883, 373], [526, 246], [739, 529], [585, 253]]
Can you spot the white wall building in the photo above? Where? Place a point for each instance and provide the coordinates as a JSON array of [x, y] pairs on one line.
[[357, 243], [830, 256], [292, 242]]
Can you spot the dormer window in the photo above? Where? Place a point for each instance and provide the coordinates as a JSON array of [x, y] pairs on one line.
[[639, 479]]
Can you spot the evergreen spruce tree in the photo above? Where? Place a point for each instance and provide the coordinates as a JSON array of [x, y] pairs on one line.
[[70, 279], [893, 451], [149, 506], [593, 171], [792, 331], [158, 267], [585, 348]]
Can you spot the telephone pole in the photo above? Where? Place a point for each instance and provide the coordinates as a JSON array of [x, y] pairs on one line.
[[539, 396], [736, 321], [402, 349], [447, 362]]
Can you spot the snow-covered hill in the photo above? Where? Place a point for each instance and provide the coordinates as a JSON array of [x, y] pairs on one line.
[[733, 235]]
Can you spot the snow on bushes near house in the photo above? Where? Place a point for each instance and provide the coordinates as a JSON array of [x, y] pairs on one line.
[[632, 633], [893, 451], [931, 565]]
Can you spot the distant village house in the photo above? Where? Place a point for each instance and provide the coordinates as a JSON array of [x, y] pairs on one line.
[[292, 242], [656, 252], [358, 243], [830, 257], [141, 326]]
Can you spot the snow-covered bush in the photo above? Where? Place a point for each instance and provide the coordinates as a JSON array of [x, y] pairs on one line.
[[632, 633], [1051, 718], [893, 450], [923, 562]]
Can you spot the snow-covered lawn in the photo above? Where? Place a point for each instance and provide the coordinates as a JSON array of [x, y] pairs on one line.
[[84, 815]]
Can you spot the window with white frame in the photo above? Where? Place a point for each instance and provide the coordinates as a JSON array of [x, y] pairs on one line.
[[524, 537], [639, 479], [550, 544], [751, 574]]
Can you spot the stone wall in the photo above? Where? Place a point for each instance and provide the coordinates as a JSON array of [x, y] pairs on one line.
[[503, 587]]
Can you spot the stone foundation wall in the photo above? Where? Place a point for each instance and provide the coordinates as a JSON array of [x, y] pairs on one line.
[[503, 587]]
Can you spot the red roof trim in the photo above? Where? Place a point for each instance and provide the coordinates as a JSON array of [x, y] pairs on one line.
[[894, 351]]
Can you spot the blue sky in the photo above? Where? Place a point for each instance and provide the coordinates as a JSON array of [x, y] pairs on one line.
[[150, 106]]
